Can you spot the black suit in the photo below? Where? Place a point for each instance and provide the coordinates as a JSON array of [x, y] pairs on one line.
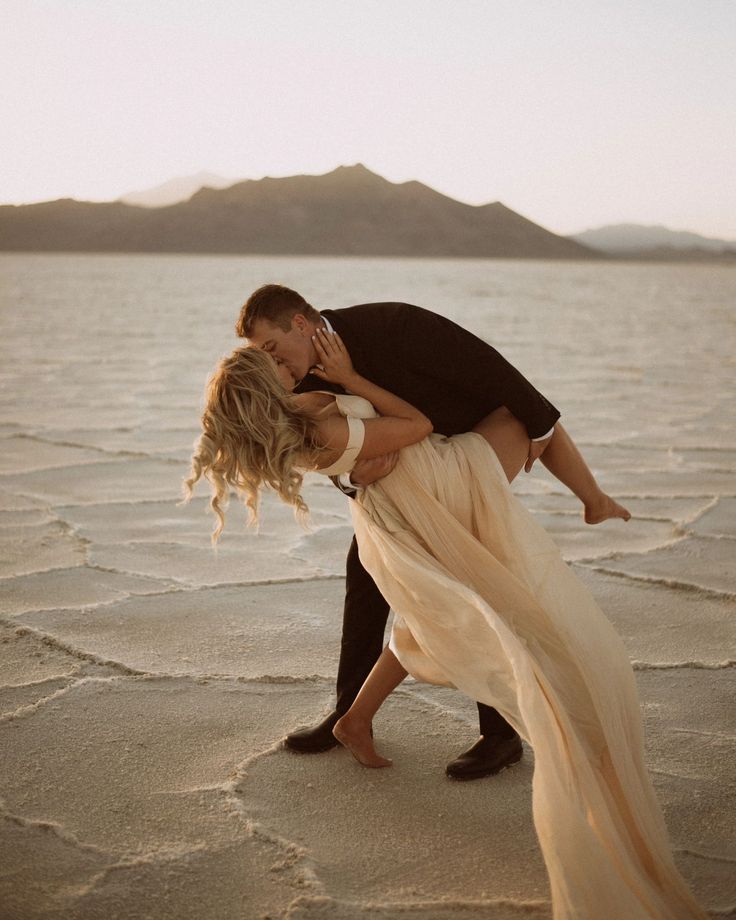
[[456, 379]]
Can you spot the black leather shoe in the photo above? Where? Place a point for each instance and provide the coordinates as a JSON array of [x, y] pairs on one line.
[[486, 757], [315, 738]]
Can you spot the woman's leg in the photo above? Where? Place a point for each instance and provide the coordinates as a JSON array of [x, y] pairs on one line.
[[353, 730], [566, 463], [508, 438], [510, 441]]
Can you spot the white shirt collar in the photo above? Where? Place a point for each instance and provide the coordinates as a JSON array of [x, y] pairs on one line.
[[328, 324]]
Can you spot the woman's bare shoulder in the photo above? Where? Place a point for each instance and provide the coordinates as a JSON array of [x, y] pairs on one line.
[[314, 401]]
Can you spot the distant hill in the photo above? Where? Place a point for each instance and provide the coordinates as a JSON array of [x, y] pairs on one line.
[[349, 211], [640, 241], [175, 190]]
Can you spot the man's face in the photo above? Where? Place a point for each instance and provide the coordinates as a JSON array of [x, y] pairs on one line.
[[292, 349]]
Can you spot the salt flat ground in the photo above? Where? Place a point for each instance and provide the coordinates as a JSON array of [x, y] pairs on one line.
[[146, 682]]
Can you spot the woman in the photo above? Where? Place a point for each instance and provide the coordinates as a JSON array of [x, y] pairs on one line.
[[482, 602]]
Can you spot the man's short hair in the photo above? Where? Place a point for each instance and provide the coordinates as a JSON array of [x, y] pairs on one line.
[[275, 303]]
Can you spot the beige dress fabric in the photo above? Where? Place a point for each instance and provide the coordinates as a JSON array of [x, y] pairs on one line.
[[483, 602]]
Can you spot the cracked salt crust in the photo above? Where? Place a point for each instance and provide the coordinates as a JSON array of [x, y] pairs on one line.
[[145, 682]]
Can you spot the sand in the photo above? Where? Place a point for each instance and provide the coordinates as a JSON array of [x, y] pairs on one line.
[[146, 683]]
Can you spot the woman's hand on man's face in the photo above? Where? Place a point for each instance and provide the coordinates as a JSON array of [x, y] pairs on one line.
[[334, 363]]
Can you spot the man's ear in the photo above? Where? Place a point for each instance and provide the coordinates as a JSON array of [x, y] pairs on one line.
[[300, 323]]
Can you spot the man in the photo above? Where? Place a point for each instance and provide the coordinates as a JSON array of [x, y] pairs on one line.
[[454, 378]]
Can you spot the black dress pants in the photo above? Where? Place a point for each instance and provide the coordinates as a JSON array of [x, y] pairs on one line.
[[363, 625]]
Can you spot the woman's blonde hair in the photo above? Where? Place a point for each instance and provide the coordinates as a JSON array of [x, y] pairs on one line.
[[252, 436]]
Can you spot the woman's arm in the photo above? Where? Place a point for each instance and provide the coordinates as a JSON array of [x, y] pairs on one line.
[[400, 424]]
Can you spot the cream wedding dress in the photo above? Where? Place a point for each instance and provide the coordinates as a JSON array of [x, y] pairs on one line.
[[483, 602]]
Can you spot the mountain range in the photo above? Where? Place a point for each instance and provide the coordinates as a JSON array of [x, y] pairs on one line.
[[175, 190], [638, 240], [349, 211]]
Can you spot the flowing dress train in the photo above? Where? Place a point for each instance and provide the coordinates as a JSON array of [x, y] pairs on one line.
[[484, 602]]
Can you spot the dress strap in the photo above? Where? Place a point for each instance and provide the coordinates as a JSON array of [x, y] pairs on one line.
[[356, 434], [346, 460]]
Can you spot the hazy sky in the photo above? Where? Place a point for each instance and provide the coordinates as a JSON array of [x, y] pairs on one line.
[[574, 112]]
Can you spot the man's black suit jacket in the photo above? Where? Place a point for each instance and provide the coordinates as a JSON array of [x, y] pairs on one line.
[[454, 377]]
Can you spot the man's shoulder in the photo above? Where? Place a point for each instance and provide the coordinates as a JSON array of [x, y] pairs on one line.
[[379, 306], [382, 311], [401, 319]]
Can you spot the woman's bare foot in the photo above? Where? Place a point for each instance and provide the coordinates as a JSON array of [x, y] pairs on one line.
[[603, 509], [356, 737]]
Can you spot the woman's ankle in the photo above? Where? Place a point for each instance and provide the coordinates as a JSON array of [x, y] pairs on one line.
[[604, 509], [355, 722]]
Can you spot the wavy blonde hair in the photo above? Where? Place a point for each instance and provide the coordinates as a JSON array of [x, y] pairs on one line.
[[252, 435]]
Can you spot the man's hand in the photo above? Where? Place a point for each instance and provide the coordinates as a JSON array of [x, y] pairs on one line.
[[536, 449], [367, 471]]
